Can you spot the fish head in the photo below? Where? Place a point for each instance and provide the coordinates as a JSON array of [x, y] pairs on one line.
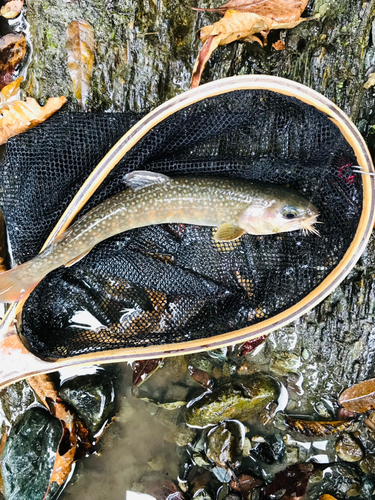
[[281, 211]]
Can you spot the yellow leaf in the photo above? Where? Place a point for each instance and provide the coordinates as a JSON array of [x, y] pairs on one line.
[[11, 91], [370, 82], [18, 116], [80, 45], [11, 9]]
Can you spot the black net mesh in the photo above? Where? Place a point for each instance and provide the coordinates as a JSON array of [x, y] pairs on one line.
[[173, 283]]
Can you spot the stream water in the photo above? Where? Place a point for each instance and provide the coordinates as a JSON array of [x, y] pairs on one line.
[[147, 441]]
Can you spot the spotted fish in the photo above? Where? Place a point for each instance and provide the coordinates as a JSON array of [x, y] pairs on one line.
[[234, 206]]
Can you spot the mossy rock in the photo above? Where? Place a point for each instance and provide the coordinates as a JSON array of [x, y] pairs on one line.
[[238, 399]]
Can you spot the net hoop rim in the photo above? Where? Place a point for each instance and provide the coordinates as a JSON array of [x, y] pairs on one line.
[[226, 85]]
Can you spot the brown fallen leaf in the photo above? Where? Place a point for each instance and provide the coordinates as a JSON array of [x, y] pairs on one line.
[[360, 397], [12, 51], [234, 26], [19, 116], [291, 483], [250, 345], [346, 415], [279, 45], [2, 444], [244, 483], [278, 10], [314, 428], [201, 377], [80, 45], [11, 9], [142, 370], [44, 387]]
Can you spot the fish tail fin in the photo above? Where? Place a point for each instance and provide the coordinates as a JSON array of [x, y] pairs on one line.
[[17, 282]]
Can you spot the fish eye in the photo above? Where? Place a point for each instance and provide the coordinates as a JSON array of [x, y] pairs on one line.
[[289, 212]]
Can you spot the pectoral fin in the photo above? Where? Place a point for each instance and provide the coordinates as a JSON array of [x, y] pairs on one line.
[[78, 258], [228, 232]]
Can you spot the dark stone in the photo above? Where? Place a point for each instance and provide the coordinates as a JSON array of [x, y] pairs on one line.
[[264, 452], [225, 444], [93, 397], [29, 456]]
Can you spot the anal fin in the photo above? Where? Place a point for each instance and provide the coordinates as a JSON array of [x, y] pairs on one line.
[[228, 232], [78, 258]]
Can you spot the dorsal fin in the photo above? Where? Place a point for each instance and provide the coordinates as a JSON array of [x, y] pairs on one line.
[[142, 178]]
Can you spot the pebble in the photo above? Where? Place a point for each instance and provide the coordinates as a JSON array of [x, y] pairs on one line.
[[348, 449], [354, 490], [368, 464]]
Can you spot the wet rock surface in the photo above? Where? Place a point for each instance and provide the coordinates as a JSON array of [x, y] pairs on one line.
[[145, 52], [237, 399], [348, 449], [29, 456], [93, 397], [225, 444]]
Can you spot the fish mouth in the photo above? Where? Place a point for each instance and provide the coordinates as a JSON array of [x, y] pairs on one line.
[[307, 225]]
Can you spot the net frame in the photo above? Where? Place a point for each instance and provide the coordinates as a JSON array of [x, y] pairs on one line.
[[136, 133]]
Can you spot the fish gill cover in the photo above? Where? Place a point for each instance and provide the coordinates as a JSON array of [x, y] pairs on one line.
[[173, 283]]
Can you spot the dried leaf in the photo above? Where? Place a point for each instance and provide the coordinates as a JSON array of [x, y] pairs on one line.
[[162, 489], [18, 116], [347, 415], [289, 483], [244, 483], [142, 370], [2, 444], [279, 45], [12, 51], [278, 10], [80, 45], [314, 428], [326, 497], [11, 9], [234, 26], [370, 424], [46, 391], [360, 397], [201, 377], [250, 345]]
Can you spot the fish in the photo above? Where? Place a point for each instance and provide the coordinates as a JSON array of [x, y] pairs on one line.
[[234, 206]]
